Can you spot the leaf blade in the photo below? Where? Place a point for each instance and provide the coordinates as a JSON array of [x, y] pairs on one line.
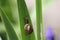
[[23, 13], [8, 26]]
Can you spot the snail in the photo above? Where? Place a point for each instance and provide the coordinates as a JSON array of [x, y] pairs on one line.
[[28, 28]]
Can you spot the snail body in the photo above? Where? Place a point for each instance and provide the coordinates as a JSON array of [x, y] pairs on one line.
[[28, 28]]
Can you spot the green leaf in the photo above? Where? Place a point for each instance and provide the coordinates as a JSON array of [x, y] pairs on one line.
[[38, 18], [3, 35], [5, 5], [11, 33], [23, 13]]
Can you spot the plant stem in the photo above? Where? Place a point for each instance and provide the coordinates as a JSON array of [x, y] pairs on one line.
[[38, 18]]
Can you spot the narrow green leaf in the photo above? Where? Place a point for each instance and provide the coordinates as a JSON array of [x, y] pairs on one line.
[[38, 18], [11, 33], [5, 5], [23, 13], [3, 35]]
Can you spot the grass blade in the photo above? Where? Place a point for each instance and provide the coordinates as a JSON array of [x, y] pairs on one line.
[[5, 5], [3, 35], [23, 12], [11, 33], [38, 18]]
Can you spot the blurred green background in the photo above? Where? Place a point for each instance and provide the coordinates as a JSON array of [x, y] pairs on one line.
[[51, 16]]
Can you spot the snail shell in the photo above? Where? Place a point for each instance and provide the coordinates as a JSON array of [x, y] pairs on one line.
[[28, 29]]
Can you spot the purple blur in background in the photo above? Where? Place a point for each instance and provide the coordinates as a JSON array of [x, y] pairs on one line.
[[49, 34]]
